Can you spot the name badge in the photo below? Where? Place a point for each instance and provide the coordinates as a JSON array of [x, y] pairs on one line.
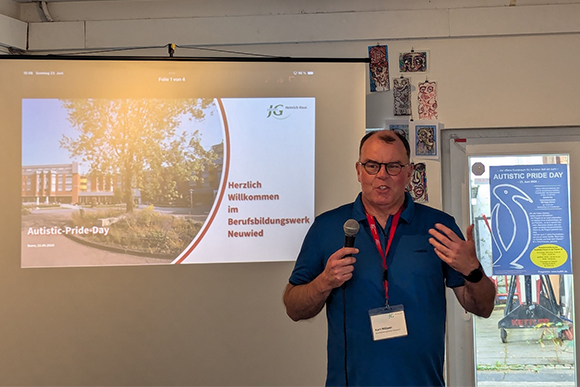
[[388, 322]]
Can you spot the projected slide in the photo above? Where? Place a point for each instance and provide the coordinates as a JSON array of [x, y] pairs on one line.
[[133, 181]]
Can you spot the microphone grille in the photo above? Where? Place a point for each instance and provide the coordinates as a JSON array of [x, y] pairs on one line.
[[351, 227]]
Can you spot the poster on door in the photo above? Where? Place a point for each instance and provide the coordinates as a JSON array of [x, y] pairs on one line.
[[530, 219]]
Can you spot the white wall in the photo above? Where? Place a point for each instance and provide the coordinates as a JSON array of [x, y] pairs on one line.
[[9, 8], [497, 64]]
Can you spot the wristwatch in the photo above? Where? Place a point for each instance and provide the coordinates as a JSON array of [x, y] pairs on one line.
[[475, 276]]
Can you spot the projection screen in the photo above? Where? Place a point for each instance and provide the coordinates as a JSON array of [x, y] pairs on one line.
[[136, 162], [148, 322]]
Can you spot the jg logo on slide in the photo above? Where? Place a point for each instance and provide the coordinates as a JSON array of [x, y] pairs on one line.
[[277, 112]]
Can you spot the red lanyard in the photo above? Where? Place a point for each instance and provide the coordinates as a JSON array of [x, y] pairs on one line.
[[373, 226]]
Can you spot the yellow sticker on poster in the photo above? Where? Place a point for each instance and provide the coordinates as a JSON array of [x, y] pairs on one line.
[[549, 256]]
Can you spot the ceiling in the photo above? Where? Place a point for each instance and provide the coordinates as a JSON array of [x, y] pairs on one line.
[[54, 1]]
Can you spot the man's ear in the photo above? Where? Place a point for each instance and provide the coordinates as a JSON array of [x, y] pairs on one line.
[[410, 172], [358, 168]]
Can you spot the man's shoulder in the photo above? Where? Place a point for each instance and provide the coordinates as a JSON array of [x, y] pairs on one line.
[[341, 212], [424, 210]]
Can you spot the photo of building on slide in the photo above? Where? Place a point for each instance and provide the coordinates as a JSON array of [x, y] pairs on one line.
[[117, 181]]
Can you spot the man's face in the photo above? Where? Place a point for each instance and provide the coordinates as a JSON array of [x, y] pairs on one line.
[[381, 191]]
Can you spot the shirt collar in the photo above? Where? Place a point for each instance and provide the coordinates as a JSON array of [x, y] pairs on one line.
[[358, 210], [409, 210]]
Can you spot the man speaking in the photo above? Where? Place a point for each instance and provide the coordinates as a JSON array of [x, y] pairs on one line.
[[385, 296]]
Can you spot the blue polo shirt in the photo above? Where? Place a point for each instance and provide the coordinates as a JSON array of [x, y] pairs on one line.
[[417, 280]]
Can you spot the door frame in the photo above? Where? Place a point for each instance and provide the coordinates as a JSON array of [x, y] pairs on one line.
[[460, 364]]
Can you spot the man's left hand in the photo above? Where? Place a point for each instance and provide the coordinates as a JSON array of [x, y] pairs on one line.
[[456, 252]]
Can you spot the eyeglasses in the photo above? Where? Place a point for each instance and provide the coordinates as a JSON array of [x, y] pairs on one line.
[[393, 169]]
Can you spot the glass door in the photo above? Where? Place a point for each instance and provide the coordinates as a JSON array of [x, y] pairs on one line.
[[515, 186], [520, 208]]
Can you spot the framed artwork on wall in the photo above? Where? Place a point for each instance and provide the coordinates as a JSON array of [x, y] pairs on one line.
[[424, 139], [402, 96], [414, 61], [418, 185], [400, 125], [379, 68]]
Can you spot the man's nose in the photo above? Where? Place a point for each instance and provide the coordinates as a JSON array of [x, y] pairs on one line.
[[382, 173]]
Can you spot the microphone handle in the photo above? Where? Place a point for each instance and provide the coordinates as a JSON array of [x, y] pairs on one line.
[[349, 240]]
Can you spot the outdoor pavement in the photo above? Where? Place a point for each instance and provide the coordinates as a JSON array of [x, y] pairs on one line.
[[525, 360]]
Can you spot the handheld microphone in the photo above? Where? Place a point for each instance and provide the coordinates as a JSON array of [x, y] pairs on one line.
[[350, 228]]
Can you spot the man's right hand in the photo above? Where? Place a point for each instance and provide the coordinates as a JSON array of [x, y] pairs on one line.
[[339, 268], [307, 300]]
